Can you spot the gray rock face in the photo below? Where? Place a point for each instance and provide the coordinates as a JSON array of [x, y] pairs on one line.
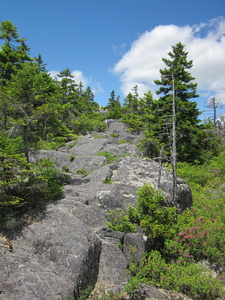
[[72, 162], [51, 258], [68, 246]]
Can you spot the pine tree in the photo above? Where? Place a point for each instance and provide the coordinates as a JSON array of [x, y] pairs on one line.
[[14, 51], [68, 86], [149, 144], [113, 106], [177, 77], [34, 101]]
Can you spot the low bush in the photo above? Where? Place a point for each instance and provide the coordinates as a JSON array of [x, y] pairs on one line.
[[110, 158], [32, 186], [119, 221], [180, 242], [192, 279]]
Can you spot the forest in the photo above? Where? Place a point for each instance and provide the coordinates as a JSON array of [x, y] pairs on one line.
[[41, 112]]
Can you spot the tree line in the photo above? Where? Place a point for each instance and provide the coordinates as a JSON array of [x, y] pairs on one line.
[[36, 112]]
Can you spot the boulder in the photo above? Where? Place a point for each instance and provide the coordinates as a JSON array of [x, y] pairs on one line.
[[68, 160], [134, 171], [52, 259], [134, 246], [88, 146]]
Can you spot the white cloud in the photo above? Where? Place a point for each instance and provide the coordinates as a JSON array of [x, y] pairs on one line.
[[53, 73], [79, 77], [204, 43]]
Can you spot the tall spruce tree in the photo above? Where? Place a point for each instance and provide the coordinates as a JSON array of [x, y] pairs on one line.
[[13, 53], [113, 106], [32, 95], [177, 79], [149, 144]]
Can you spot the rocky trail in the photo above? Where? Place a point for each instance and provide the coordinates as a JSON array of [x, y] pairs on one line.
[[68, 246]]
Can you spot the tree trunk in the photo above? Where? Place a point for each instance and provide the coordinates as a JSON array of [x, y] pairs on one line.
[[25, 140], [174, 150]]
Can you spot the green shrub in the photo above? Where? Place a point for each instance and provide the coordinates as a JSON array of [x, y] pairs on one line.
[[203, 225], [133, 214], [157, 219], [108, 181], [110, 158], [65, 169], [182, 240], [53, 144], [50, 179], [110, 295], [123, 142], [82, 172], [114, 135], [72, 157], [83, 294], [118, 221], [191, 279]]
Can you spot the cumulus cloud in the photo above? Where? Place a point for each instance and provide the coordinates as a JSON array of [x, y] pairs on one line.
[[205, 44], [79, 77]]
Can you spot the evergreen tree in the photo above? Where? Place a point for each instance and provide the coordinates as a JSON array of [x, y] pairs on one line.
[[14, 51], [131, 111], [176, 76], [41, 64], [88, 94], [32, 95], [68, 86], [146, 110], [149, 144], [131, 102], [114, 107]]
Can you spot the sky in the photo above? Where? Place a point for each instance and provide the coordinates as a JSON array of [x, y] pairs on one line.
[[117, 44]]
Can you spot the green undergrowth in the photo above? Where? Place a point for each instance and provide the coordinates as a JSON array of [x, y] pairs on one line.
[[25, 186], [110, 158], [82, 172], [181, 243]]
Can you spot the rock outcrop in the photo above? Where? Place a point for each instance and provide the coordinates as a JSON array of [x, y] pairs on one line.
[[68, 247]]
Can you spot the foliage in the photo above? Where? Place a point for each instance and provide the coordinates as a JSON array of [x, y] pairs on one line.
[[119, 221], [83, 294], [72, 157], [110, 158], [87, 123], [191, 279], [113, 107], [82, 172], [150, 213], [206, 217], [54, 144], [181, 242], [31, 186], [38, 112], [108, 181], [65, 169], [122, 142], [155, 217], [107, 295], [51, 179], [196, 142], [114, 135]]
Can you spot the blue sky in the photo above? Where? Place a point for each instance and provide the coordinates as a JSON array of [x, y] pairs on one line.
[[115, 44]]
